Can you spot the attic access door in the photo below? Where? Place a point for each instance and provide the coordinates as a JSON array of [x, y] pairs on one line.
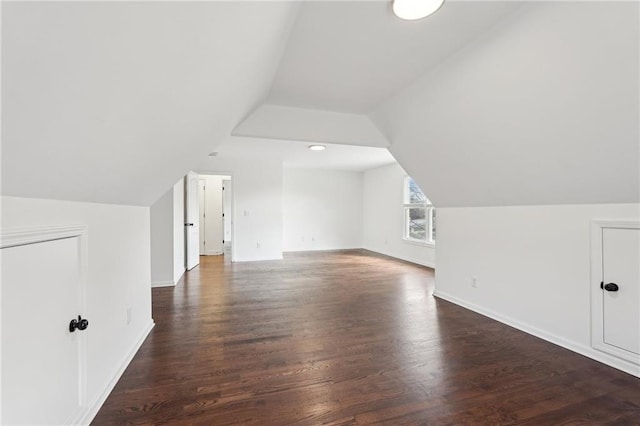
[[616, 292], [43, 359]]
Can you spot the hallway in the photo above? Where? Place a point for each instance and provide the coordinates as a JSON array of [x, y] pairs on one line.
[[348, 338]]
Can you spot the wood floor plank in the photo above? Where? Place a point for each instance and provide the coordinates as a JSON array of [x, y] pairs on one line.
[[349, 338]]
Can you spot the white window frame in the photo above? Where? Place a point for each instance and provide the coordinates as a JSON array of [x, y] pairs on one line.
[[429, 215]]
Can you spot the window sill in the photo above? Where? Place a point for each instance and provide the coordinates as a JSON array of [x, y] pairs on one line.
[[419, 243]]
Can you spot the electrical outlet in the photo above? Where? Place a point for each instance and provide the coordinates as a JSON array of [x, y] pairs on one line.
[[129, 314], [474, 282], [257, 245]]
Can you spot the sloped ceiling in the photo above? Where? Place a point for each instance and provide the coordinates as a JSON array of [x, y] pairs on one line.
[[114, 101], [543, 110], [349, 56], [484, 103]]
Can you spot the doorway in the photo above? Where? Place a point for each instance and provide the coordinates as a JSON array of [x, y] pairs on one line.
[[215, 199]]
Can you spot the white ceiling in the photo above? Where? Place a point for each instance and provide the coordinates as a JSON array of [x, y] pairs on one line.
[[295, 154], [349, 56], [485, 103]]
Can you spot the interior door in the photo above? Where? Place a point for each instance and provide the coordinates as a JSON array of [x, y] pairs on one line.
[[42, 360], [621, 288], [226, 209], [192, 221], [202, 213]]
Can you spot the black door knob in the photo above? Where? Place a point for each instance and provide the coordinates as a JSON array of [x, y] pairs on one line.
[[611, 287], [80, 324]]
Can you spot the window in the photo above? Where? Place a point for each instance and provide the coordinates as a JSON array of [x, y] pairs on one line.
[[419, 215]]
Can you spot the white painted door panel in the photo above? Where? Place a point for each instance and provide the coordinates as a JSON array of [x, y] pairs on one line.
[[215, 233], [226, 208], [621, 309], [202, 213], [41, 359], [192, 221]]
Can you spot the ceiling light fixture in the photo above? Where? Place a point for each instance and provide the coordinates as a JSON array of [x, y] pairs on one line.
[[411, 10], [317, 147]]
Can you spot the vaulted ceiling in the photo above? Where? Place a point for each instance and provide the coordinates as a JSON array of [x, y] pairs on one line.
[[484, 103], [351, 56]]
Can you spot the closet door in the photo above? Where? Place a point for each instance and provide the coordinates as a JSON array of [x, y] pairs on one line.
[[615, 294], [43, 361], [621, 288]]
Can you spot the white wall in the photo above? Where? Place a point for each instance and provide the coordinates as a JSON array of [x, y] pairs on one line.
[[162, 240], [257, 206], [118, 278], [322, 209], [178, 231], [167, 237], [383, 217], [532, 265]]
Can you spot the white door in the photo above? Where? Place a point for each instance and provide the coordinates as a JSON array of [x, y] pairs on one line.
[[621, 288], [226, 209], [192, 222], [214, 219], [43, 362], [202, 213]]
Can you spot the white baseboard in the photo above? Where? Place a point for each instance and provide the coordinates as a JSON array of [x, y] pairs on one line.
[[431, 265], [179, 276], [95, 405], [213, 252], [163, 284], [587, 351], [257, 259], [306, 250]]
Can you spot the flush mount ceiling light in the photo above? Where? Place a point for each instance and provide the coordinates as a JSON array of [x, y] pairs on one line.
[[317, 147], [411, 10]]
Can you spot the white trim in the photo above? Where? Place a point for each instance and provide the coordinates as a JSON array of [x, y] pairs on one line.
[[257, 259], [587, 351], [597, 325], [91, 411], [213, 253], [22, 236], [163, 284]]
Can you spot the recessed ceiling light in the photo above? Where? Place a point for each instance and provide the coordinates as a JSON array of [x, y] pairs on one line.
[[317, 147], [411, 10]]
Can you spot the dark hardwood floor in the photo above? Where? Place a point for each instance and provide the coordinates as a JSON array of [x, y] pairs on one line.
[[349, 338]]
